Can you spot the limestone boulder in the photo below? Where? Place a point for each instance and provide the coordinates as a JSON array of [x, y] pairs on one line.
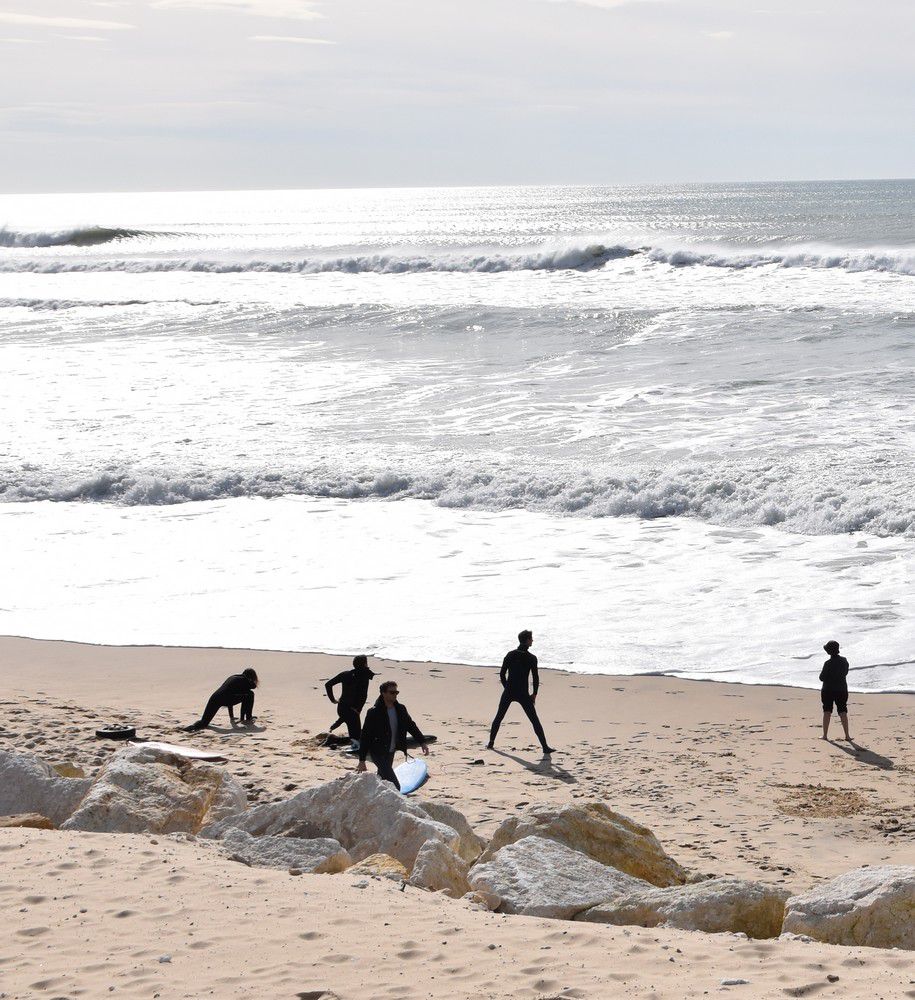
[[470, 846], [145, 790], [381, 866], [543, 878], [31, 821], [874, 907], [315, 857], [597, 831], [29, 785], [439, 869], [714, 906], [361, 812]]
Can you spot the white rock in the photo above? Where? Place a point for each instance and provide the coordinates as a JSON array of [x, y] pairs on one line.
[[361, 812], [597, 831], [715, 907], [317, 857], [143, 790], [470, 846], [867, 906], [439, 869], [29, 785], [543, 878]]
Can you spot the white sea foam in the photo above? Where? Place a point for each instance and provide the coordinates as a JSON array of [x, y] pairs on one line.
[[787, 495]]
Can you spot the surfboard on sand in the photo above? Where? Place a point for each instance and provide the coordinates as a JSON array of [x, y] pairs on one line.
[[412, 774], [178, 751]]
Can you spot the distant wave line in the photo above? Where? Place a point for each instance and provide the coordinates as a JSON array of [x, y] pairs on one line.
[[584, 257]]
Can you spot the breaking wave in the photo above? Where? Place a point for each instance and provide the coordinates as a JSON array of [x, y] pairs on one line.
[[586, 256], [740, 494], [87, 236], [902, 263]]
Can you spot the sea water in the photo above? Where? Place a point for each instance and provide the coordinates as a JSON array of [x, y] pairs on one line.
[[668, 428]]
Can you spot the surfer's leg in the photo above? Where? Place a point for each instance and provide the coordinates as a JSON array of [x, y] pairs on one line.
[[351, 718], [212, 707], [531, 712], [385, 764], [504, 702]]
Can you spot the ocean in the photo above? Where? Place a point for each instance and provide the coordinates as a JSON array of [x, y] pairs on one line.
[[670, 428]]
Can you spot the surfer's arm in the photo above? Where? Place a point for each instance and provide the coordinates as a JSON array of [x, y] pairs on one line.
[[414, 731], [535, 676], [328, 687], [503, 673]]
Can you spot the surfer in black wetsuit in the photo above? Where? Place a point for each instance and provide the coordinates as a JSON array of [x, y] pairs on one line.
[[834, 676], [234, 690], [354, 691], [384, 732], [517, 668]]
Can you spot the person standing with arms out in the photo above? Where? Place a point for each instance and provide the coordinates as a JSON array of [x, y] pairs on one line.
[[834, 676], [354, 692], [517, 668], [235, 690], [384, 732]]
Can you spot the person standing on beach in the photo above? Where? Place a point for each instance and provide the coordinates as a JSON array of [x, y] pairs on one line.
[[834, 676], [384, 732], [234, 690], [354, 692], [518, 667]]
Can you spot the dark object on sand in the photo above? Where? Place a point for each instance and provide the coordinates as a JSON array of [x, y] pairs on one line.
[[332, 740], [116, 733]]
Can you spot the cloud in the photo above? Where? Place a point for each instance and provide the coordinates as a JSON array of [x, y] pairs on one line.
[[292, 10], [37, 21], [290, 38], [720, 36], [607, 4], [84, 38]]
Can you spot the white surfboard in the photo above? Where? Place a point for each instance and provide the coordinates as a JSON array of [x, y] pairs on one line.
[[412, 774], [177, 750]]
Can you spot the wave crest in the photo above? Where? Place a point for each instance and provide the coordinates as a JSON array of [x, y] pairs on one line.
[[584, 256], [727, 493], [86, 236]]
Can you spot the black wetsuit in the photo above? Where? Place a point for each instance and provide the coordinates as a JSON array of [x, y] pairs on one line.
[[375, 741], [518, 667], [834, 676], [353, 696], [234, 690]]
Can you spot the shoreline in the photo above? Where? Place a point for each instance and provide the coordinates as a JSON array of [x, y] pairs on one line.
[[464, 665]]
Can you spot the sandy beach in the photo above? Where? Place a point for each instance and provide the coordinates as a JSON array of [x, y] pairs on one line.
[[733, 780]]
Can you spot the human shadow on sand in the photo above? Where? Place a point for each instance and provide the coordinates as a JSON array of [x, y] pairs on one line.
[[544, 767], [864, 755]]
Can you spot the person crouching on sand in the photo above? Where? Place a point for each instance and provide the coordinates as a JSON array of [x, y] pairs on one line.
[[384, 732], [835, 688], [234, 690]]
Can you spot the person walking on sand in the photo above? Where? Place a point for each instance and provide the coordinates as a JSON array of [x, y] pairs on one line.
[[384, 732], [354, 692], [834, 676], [234, 690], [517, 668]]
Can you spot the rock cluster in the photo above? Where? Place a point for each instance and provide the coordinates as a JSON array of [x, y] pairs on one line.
[[578, 862]]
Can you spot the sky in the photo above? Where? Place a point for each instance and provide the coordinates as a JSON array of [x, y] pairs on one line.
[[100, 95]]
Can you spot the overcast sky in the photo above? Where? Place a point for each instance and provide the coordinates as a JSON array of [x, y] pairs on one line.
[[166, 94]]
